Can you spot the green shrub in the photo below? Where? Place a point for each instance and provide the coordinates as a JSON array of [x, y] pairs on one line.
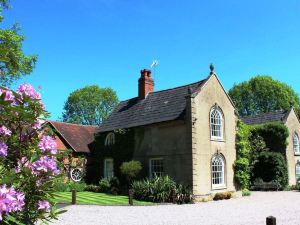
[[274, 135], [69, 186], [109, 185], [92, 188], [184, 194], [78, 186], [222, 195], [161, 189], [271, 166], [131, 169], [246, 192], [61, 187], [157, 189]]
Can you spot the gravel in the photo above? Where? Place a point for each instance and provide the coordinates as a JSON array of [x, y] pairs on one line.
[[285, 206]]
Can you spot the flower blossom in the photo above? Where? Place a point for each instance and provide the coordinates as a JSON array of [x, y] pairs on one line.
[[38, 124], [5, 131], [44, 164], [9, 96], [29, 91], [10, 200], [47, 143], [3, 149], [24, 162], [43, 205]]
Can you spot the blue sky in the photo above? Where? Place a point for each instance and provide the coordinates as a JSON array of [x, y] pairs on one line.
[[107, 42]]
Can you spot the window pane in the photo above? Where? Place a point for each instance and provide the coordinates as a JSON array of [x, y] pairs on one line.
[[216, 123], [217, 171], [156, 167]]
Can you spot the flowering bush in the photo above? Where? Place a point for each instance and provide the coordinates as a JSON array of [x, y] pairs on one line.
[[28, 165]]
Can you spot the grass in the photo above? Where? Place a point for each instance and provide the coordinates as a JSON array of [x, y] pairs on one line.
[[91, 198]]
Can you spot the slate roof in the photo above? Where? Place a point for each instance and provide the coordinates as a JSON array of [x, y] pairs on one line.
[[77, 136], [275, 116], [157, 107]]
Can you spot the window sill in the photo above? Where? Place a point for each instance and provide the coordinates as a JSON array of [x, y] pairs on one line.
[[297, 154], [217, 140], [219, 188]]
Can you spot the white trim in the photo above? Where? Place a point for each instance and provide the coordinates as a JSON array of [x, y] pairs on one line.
[[217, 122], [110, 139], [296, 144], [106, 172], [74, 178], [150, 165], [222, 183]]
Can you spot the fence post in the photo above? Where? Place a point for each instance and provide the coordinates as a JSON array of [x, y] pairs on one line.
[[130, 196], [73, 197], [271, 220], [173, 195]]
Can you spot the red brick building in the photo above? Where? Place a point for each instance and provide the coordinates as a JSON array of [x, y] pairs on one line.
[[76, 140]]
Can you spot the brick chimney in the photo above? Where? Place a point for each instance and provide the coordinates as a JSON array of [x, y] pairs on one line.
[[146, 84]]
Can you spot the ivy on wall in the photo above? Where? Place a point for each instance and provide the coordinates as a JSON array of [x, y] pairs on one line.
[[259, 147], [121, 151], [242, 164]]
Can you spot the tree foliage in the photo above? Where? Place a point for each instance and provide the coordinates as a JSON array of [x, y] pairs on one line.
[[89, 105], [131, 169], [262, 94], [13, 62]]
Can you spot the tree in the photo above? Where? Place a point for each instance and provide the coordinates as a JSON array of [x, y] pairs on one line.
[[262, 94], [13, 62], [89, 105], [131, 169]]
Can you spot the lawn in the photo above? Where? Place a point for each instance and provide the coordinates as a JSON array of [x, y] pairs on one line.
[[91, 198]]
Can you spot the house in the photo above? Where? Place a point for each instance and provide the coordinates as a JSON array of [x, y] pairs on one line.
[[291, 120], [75, 140], [186, 132]]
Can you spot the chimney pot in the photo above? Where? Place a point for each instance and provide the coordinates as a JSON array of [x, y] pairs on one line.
[[146, 83]]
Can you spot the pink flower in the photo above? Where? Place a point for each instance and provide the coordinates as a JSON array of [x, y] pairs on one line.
[[10, 200], [43, 205], [47, 143], [5, 131], [38, 124], [3, 149], [24, 162], [29, 91], [45, 164], [9, 96]]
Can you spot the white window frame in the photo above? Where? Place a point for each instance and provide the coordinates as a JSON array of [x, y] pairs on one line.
[[151, 167], [110, 139], [107, 173], [296, 145], [218, 174], [297, 171], [216, 122], [76, 174]]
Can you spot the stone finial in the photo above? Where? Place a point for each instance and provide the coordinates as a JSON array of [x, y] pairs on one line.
[[212, 68]]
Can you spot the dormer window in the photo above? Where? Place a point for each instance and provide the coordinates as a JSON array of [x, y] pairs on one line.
[[216, 123], [110, 139], [296, 144]]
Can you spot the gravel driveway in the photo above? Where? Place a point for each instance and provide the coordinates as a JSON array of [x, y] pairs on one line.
[[285, 206]]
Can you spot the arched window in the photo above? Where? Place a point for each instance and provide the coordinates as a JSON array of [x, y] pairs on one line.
[[110, 139], [296, 143], [216, 123], [217, 171]]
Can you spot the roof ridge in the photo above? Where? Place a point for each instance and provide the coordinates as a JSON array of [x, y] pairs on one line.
[[179, 86], [166, 90], [72, 124]]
